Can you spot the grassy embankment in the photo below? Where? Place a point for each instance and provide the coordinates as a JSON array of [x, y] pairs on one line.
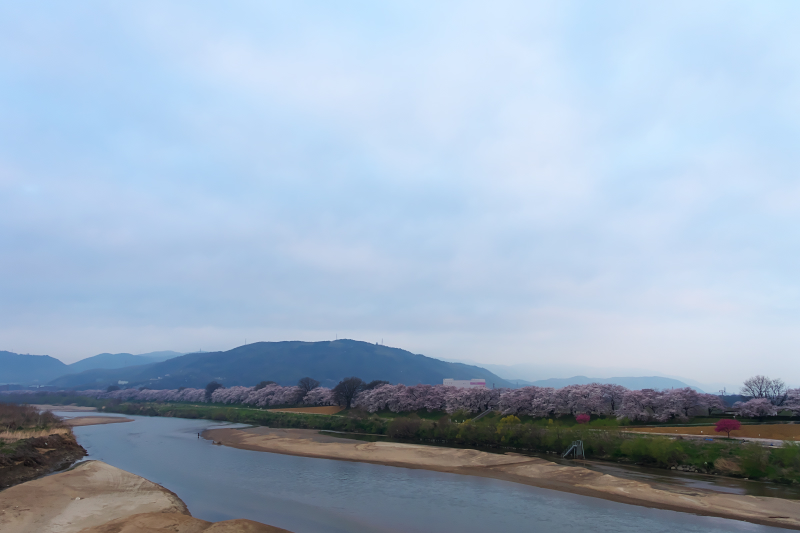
[[33, 444], [603, 438]]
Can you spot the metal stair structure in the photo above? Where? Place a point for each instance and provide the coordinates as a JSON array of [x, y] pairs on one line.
[[486, 412], [576, 449]]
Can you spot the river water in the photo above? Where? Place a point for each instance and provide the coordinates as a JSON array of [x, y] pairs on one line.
[[306, 495]]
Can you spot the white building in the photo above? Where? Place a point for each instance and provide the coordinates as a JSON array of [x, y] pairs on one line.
[[465, 383]]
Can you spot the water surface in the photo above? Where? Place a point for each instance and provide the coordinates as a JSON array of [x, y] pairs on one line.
[[307, 495]]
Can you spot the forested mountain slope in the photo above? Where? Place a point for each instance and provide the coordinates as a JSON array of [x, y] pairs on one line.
[[285, 363]]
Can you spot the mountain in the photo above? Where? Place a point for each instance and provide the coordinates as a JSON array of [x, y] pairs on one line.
[[633, 383], [285, 363], [29, 369], [119, 360]]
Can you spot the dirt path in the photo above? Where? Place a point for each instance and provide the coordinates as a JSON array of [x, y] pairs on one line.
[[758, 432], [517, 468]]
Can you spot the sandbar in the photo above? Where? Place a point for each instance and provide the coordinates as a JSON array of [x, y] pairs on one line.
[[65, 408], [95, 497], [94, 420], [517, 468]]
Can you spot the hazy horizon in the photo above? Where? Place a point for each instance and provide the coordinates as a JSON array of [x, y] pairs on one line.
[[610, 185], [526, 372]]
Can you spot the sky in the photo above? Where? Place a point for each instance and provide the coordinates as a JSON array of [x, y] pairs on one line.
[[591, 185]]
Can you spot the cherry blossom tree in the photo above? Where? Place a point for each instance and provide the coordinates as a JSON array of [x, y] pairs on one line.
[[727, 425], [320, 396], [532, 401], [793, 401], [639, 404], [758, 407]]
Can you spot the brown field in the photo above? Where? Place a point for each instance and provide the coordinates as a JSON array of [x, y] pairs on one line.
[[761, 431], [325, 410]]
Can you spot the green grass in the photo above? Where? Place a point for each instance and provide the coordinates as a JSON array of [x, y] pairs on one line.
[[603, 438]]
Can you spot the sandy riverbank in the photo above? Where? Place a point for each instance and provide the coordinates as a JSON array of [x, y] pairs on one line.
[[66, 408], [95, 497], [516, 468], [94, 420]]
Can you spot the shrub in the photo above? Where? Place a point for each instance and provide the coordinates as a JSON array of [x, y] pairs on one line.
[[403, 428], [755, 460]]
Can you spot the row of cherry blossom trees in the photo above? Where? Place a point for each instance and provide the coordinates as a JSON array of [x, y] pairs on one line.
[[265, 396], [595, 398], [592, 399]]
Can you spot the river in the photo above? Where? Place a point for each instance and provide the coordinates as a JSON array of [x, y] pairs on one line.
[[307, 495]]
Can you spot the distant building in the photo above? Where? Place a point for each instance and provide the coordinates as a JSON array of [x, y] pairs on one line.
[[465, 383]]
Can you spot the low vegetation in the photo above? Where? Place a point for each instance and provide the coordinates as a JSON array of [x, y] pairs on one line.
[[603, 438], [15, 418], [32, 444]]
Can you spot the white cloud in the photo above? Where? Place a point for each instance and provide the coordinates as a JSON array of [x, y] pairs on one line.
[[610, 184]]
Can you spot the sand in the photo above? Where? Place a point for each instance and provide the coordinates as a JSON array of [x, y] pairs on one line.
[[94, 420], [179, 523], [517, 468], [65, 408], [89, 495], [95, 497], [759, 431]]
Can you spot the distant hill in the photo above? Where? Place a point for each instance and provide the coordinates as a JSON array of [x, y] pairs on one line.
[[29, 369], [285, 363], [119, 360], [633, 383]]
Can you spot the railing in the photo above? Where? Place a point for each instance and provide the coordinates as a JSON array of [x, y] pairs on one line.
[[486, 412], [576, 449]]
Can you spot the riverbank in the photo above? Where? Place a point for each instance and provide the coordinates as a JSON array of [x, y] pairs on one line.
[[65, 408], [35, 456], [94, 420], [95, 497], [516, 468]]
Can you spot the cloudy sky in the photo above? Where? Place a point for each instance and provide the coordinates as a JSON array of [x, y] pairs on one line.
[[607, 184]]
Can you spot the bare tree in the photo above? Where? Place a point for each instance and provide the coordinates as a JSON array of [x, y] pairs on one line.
[[374, 384], [211, 387], [347, 389], [263, 384], [778, 392], [307, 385], [774, 390], [756, 387]]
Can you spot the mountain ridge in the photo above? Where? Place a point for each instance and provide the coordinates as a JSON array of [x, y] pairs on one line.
[[633, 383], [286, 362]]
